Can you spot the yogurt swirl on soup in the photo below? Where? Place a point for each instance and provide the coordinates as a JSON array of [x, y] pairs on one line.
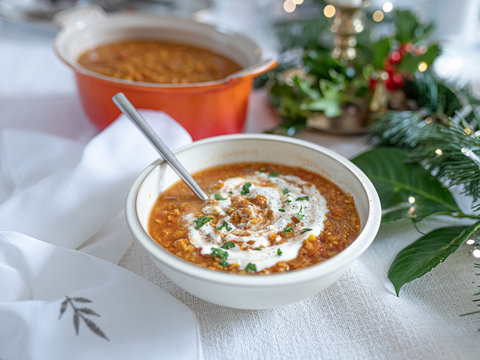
[[264, 218]]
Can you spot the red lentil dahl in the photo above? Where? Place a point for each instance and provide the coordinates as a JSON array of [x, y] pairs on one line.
[[166, 226], [157, 62]]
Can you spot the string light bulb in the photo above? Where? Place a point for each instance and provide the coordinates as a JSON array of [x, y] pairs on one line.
[[378, 16], [289, 6], [387, 7], [476, 253], [329, 11], [470, 242], [422, 66], [411, 199], [439, 152]]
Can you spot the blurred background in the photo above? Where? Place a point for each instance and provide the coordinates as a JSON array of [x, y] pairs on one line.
[[456, 22]]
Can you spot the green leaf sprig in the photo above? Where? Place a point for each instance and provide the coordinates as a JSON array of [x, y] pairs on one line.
[[202, 220], [251, 267], [246, 188], [410, 192], [224, 226], [219, 197], [222, 254]]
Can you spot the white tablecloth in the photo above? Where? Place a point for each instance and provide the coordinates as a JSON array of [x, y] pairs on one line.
[[359, 317]]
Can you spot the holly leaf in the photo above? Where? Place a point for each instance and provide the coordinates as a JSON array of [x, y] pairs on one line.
[[330, 107], [411, 61], [406, 190], [305, 86], [380, 51], [406, 26], [427, 252]]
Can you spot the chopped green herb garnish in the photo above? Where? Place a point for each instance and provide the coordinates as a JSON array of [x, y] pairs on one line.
[[299, 214], [279, 252], [230, 192], [288, 229], [288, 201], [219, 197], [302, 198], [251, 267], [258, 249], [224, 226], [285, 191], [202, 220], [305, 230], [274, 174], [228, 245], [246, 188], [219, 253], [281, 210], [263, 171]]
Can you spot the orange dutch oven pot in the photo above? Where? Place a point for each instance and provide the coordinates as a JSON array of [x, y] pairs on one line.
[[203, 109]]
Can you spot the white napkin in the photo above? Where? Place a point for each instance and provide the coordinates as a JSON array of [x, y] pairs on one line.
[[72, 195], [120, 315]]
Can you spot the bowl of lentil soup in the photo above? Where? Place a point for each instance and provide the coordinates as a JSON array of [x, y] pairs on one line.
[[284, 219], [198, 74]]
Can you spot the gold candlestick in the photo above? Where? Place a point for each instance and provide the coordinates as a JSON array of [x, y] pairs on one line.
[[346, 25]]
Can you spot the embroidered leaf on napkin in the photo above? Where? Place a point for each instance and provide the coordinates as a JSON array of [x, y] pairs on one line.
[[81, 299], [76, 322], [427, 252], [81, 313], [94, 327], [63, 307], [406, 190], [88, 311]]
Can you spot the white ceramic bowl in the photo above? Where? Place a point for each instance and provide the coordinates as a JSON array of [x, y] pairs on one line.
[[254, 291]]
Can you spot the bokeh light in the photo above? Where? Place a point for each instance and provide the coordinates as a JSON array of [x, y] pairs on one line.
[[422, 66], [387, 7], [329, 11], [289, 6], [378, 16]]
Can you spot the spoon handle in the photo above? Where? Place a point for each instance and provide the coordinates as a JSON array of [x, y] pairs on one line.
[[129, 110]]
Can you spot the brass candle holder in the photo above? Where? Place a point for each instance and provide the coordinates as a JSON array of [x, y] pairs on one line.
[[346, 25]]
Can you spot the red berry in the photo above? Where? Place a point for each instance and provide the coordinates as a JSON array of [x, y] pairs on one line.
[[373, 83], [389, 68], [390, 84], [398, 80], [406, 48], [420, 50], [395, 57]]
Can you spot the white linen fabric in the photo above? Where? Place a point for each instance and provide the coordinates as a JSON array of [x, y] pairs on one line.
[[70, 195], [59, 303], [64, 192]]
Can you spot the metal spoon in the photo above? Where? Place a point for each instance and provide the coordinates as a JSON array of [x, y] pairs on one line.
[[129, 110]]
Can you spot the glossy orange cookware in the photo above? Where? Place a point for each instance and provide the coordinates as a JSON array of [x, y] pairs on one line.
[[204, 109]]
